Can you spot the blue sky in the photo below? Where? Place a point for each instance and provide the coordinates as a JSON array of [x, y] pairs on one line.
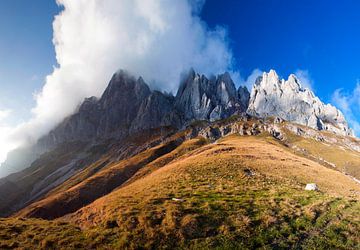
[[320, 37], [26, 52]]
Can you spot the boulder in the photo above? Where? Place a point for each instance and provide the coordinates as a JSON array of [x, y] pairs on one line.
[[311, 187]]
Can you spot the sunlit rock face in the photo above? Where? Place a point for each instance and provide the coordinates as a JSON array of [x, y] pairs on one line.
[[272, 96], [200, 98]]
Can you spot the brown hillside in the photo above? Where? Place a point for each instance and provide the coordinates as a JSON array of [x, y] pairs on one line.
[[241, 192], [96, 186], [234, 183]]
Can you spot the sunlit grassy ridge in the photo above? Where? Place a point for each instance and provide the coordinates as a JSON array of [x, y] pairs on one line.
[[240, 192], [333, 154], [218, 203]]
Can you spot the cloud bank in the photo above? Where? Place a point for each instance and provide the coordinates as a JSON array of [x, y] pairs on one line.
[[349, 104], [157, 39], [305, 79]]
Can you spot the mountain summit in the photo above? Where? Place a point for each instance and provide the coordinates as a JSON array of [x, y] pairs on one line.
[[288, 100], [200, 98], [128, 106]]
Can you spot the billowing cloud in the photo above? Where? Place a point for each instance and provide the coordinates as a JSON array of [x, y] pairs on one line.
[[250, 80], [305, 79], [157, 39], [349, 104], [5, 129]]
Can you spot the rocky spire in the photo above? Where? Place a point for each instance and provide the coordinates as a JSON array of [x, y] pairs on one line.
[[287, 99], [200, 98]]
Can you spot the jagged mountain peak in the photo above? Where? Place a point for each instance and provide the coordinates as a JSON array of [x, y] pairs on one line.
[[225, 77], [287, 99], [123, 80], [273, 80], [200, 98], [88, 103], [272, 74], [128, 105]]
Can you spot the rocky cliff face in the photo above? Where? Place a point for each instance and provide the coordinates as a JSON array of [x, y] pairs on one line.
[[111, 115], [128, 106], [286, 99], [199, 98], [157, 110]]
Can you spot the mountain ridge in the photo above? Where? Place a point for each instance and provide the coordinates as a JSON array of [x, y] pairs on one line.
[[197, 98], [129, 106]]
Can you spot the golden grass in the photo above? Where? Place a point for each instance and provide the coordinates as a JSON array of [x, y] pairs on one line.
[[96, 186], [40, 234], [334, 155], [217, 196], [237, 193]]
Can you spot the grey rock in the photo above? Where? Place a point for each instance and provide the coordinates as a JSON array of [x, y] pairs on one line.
[[200, 98], [111, 115], [157, 110], [287, 100], [244, 97], [211, 133], [120, 103]]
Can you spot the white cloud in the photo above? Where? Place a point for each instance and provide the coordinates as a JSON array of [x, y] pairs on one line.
[[349, 104], [250, 80], [4, 142], [305, 79], [4, 114], [5, 130], [157, 39]]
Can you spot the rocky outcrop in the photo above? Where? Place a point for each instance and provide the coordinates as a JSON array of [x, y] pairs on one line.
[[128, 106], [200, 98], [157, 110], [120, 103], [287, 99]]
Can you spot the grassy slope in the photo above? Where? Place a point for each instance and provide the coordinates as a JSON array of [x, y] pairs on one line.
[[96, 186], [40, 234], [223, 206], [344, 159], [107, 151], [220, 206]]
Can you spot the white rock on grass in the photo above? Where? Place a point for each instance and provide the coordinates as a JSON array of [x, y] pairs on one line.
[[177, 199], [311, 187]]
